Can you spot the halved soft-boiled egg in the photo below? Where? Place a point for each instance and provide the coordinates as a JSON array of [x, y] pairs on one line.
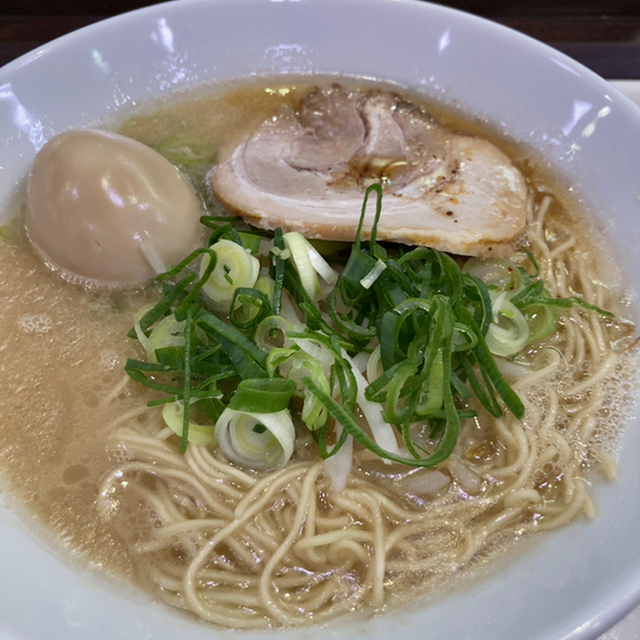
[[105, 208]]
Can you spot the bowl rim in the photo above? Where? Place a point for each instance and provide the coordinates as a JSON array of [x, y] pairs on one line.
[[628, 594]]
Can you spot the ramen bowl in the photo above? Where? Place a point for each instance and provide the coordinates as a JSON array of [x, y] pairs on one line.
[[573, 583]]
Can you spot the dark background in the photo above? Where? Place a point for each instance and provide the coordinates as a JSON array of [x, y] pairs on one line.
[[602, 34]]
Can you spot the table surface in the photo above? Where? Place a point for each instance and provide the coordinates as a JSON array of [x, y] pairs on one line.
[[604, 35]]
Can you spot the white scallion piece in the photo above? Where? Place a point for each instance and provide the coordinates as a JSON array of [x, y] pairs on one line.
[[153, 257], [173, 415], [360, 360], [374, 365], [267, 327], [259, 441], [142, 338], [309, 263], [167, 333], [374, 274], [322, 267], [299, 249], [338, 466], [235, 267], [302, 364], [382, 432], [509, 332], [317, 351]]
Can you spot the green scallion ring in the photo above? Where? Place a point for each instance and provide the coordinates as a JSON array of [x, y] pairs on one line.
[[263, 395]]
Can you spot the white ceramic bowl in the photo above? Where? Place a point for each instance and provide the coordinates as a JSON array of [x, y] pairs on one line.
[[574, 583]]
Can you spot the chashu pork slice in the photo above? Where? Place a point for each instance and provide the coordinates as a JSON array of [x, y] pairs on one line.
[[307, 171]]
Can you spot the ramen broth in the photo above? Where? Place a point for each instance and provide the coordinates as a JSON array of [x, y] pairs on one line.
[[73, 426]]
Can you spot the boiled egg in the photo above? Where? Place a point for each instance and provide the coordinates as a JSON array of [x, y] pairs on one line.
[[107, 209]]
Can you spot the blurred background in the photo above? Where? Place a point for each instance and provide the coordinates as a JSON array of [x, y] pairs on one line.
[[602, 34]]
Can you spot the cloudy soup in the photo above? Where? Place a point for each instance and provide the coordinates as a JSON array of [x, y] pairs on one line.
[[289, 410]]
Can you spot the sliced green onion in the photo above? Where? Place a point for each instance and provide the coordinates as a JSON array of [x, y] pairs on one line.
[[296, 364], [368, 280], [153, 257], [276, 269], [198, 434], [280, 357], [249, 307], [272, 329], [235, 267], [169, 332], [302, 364], [298, 246], [244, 354], [306, 257], [265, 284], [338, 466], [322, 267], [374, 366], [381, 430], [283, 254], [186, 149], [139, 332], [319, 352], [250, 241], [432, 393], [490, 372], [542, 320], [259, 441], [499, 273], [350, 424], [329, 247], [262, 395], [509, 332], [186, 384], [431, 328]]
